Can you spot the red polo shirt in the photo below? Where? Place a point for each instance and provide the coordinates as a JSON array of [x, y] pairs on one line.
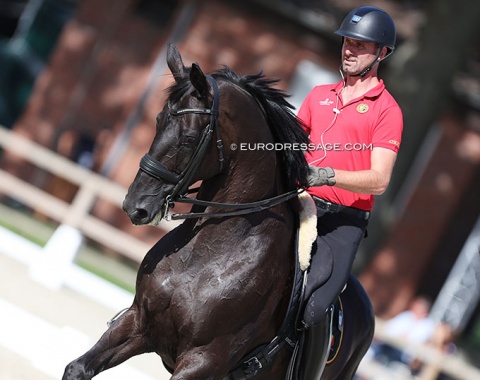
[[343, 136]]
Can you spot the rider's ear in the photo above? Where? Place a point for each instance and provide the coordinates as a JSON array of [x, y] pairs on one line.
[[174, 62], [383, 54], [199, 81]]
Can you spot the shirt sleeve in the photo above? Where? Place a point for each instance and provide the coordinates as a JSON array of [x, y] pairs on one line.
[[388, 131]]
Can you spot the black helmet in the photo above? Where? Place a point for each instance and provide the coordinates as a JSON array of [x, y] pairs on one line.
[[370, 24]]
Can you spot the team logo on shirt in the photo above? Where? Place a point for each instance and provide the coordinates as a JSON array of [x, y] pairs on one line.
[[326, 102], [362, 108], [394, 142]]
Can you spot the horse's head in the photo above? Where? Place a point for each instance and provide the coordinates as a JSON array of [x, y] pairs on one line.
[[182, 142], [189, 146]]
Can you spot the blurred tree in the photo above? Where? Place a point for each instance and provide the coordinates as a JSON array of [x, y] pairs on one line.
[[420, 77], [23, 56]]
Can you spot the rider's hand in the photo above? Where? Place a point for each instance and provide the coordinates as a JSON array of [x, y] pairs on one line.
[[320, 176]]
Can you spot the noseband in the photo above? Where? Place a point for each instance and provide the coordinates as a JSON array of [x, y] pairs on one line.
[[156, 169]]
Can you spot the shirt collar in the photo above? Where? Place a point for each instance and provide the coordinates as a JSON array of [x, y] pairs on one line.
[[374, 92]]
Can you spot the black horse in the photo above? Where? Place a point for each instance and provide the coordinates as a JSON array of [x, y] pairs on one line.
[[218, 286]]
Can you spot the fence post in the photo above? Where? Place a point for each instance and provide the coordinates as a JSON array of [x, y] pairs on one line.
[[52, 267]]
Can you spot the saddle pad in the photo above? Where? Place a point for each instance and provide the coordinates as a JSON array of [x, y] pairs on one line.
[[308, 229]]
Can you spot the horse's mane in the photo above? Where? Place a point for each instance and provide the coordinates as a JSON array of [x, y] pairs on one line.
[[284, 125]]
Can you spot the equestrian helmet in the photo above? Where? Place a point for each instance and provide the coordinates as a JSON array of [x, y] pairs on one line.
[[370, 24]]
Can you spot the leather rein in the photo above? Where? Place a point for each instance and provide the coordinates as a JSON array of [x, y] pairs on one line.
[[157, 170]]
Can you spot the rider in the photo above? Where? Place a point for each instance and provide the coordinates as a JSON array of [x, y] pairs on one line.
[[355, 126]]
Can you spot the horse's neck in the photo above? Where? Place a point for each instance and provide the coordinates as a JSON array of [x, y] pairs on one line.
[[233, 194], [252, 171], [250, 185]]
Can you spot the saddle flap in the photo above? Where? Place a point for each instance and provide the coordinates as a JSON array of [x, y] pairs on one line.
[[320, 272]]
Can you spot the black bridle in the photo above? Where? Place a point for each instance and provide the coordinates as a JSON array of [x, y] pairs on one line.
[[156, 169], [181, 181]]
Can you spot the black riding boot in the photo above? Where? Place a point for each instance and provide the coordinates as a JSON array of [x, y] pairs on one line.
[[315, 349]]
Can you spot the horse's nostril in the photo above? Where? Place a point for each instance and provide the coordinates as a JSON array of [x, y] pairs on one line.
[[138, 215]]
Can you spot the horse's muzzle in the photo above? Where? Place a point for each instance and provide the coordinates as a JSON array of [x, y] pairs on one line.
[[140, 215]]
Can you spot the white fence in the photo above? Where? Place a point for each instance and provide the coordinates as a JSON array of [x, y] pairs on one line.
[[74, 218], [436, 361], [75, 214]]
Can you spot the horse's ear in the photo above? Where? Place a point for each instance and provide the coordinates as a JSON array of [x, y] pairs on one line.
[[199, 81], [174, 62]]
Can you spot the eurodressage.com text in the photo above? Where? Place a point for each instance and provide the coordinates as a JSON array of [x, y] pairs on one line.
[[302, 146]]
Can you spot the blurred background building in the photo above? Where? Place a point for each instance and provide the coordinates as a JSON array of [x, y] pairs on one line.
[[87, 79]]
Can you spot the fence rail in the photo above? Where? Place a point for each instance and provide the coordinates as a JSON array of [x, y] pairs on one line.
[[435, 360], [76, 214]]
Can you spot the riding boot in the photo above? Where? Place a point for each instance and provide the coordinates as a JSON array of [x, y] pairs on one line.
[[315, 350]]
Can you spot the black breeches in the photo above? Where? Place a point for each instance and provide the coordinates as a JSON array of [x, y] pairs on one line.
[[339, 236]]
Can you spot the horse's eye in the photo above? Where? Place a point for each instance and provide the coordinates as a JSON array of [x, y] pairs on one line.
[[189, 140]]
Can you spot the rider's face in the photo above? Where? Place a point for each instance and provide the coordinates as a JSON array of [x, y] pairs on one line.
[[357, 55]]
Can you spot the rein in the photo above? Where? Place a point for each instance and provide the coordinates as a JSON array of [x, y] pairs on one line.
[[157, 170], [240, 208]]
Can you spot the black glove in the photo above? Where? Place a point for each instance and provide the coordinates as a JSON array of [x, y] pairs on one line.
[[320, 176]]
